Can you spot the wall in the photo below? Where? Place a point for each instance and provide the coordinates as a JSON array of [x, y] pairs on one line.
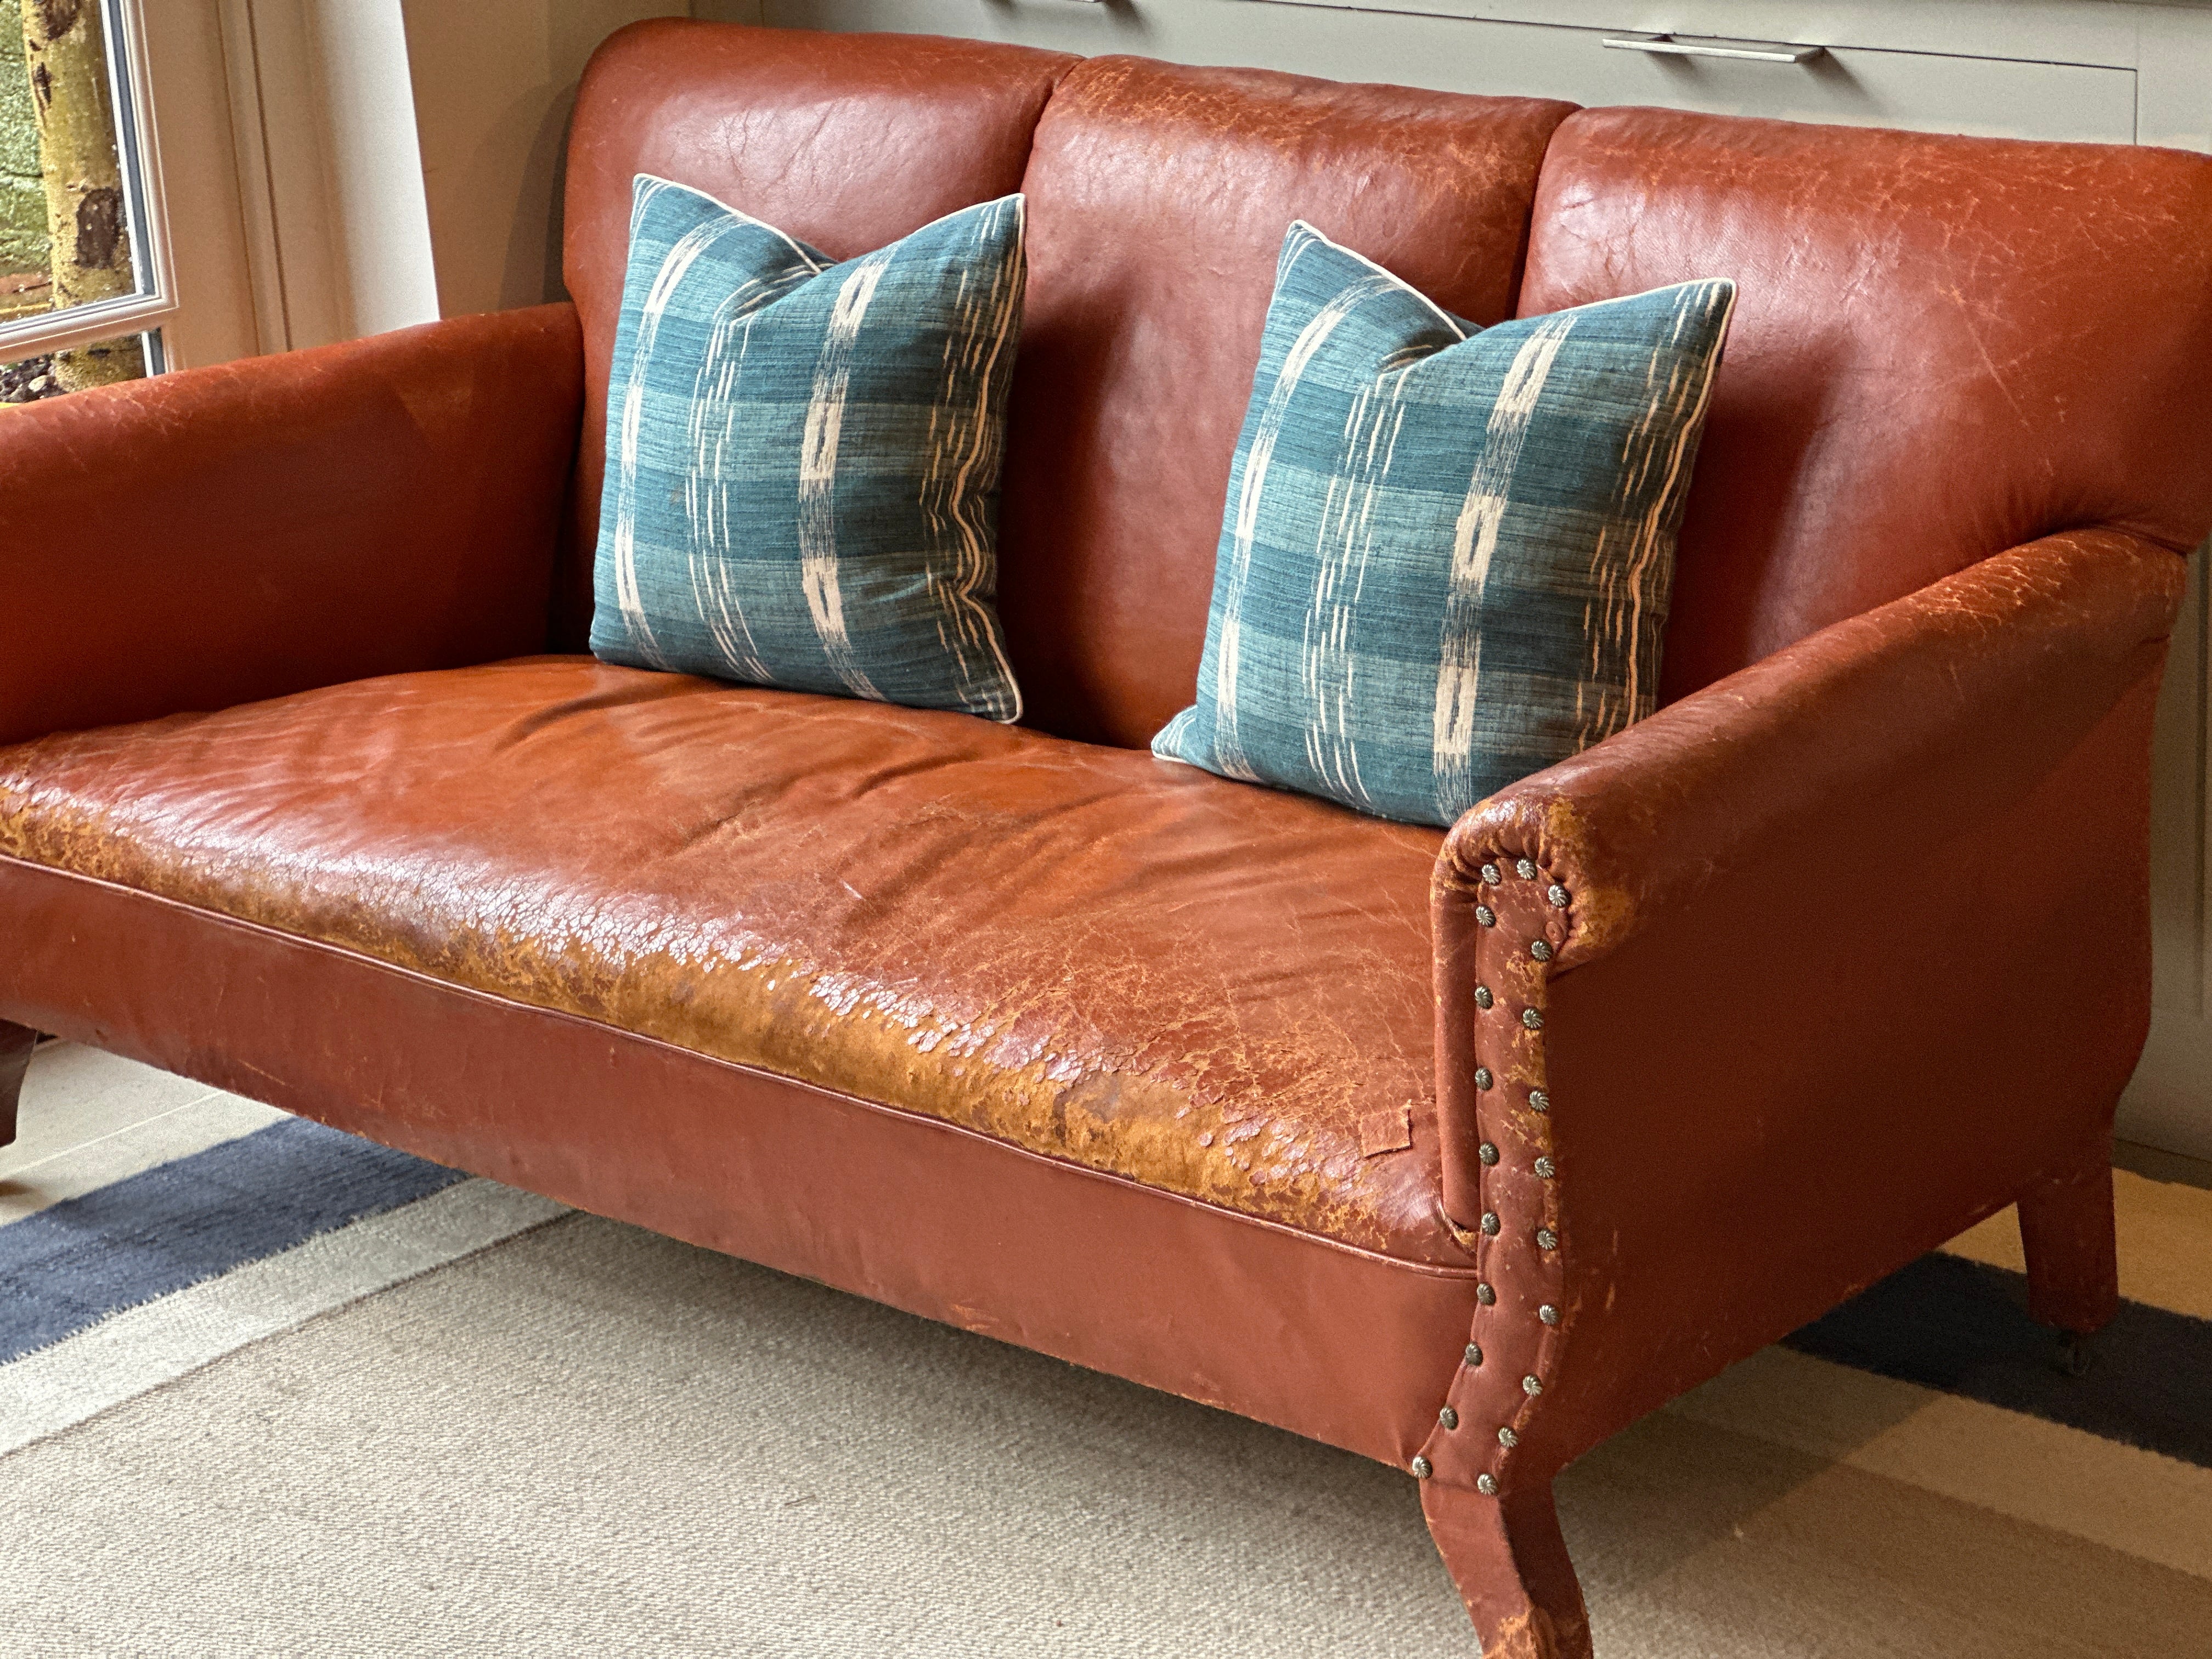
[[494, 81]]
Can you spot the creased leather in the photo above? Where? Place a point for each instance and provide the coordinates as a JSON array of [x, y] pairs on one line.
[[1088, 953], [1158, 197], [847, 142], [242, 530], [1942, 347]]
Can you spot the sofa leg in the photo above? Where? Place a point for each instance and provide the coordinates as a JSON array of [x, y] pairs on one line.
[[2072, 1261], [1510, 1563], [16, 1043]]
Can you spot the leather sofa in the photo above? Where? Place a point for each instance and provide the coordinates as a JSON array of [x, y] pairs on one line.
[[1461, 1151]]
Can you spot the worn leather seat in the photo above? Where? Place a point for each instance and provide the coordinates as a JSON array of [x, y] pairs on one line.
[[1085, 952]]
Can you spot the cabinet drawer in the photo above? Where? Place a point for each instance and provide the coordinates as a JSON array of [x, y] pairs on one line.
[[1927, 91]]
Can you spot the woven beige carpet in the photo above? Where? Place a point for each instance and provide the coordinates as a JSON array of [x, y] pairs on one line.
[[583, 1439]]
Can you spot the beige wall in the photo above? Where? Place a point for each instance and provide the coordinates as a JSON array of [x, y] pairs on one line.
[[494, 83]]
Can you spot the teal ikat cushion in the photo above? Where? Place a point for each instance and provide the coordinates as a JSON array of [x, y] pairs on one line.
[[1447, 552], [803, 455]]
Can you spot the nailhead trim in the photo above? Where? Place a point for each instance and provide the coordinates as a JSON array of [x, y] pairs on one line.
[[1489, 876], [1507, 1438], [1548, 1313], [1486, 1485], [1487, 1153], [1474, 1353], [1538, 1101], [1490, 1223], [1526, 868], [1422, 1469], [1449, 1418], [1558, 894], [1532, 1018], [1540, 949], [1482, 997], [1482, 1077], [1546, 1169], [1532, 1385], [1485, 1295], [1485, 916], [1547, 1239]]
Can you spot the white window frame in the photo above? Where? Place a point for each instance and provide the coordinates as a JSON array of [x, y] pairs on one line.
[[138, 143]]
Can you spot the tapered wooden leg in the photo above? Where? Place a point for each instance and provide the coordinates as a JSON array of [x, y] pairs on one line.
[[1510, 1563], [16, 1043], [2072, 1261]]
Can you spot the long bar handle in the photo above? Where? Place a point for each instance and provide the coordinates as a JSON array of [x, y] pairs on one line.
[[1756, 51]]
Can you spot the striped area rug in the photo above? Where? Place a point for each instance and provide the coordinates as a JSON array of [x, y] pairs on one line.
[[267, 1388]]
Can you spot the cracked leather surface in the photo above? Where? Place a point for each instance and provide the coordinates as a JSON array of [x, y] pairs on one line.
[[1090, 953], [1943, 347]]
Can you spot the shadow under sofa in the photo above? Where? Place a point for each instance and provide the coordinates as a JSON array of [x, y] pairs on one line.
[[1462, 1150]]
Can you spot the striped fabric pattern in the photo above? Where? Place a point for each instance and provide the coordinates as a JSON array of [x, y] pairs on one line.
[[803, 455], [1447, 552]]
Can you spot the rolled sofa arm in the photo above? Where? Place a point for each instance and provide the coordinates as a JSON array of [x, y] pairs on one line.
[[1757, 1000], [242, 530]]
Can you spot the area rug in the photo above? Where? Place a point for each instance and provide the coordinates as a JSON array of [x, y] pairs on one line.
[[276, 1391]]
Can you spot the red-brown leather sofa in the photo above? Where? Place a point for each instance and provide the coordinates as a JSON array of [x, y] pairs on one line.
[[1461, 1151]]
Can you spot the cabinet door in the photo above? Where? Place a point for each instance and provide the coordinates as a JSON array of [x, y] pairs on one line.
[[1924, 90]]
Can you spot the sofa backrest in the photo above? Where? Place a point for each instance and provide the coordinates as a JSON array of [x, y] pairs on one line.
[[1943, 347], [1158, 195]]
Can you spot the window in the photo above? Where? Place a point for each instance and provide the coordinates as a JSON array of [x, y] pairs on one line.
[[93, 232]]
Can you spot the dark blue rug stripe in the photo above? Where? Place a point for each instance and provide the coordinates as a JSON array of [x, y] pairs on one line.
[[73, 1265], [1963, 1328]]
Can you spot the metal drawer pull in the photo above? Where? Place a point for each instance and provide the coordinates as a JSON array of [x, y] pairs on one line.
[[1757, 51]]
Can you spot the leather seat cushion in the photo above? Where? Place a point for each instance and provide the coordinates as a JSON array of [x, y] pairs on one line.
[[1201, 986]]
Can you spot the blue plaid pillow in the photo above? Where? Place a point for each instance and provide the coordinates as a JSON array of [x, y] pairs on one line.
[[803, 456], [1447, 552]]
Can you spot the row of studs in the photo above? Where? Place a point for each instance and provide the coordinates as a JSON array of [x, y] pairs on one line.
[[1532, 1019]]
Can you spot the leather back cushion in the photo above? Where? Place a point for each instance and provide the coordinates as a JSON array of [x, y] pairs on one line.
[[847, 142], [1158, 197], [1943, 347]]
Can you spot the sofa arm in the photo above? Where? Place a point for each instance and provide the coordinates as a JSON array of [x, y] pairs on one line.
[[239, 531], [1808, 970]]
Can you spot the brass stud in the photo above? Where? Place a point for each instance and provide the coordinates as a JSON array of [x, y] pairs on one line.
[[1482, 997], [1532, 1385], [1558, 894], [1526, 869], [1490, 1223], [1532, 1018], [1548, 1313], [1422, 1469], [1490, 875], [1541, 950], [1482, 1077], [1538, 1101], [1485, 1485], [1507, 1438], [1485, 1295], [1449, 1418], [1547, 1239], [1485, 916], [1474, 1353], [1546, 1169], [1486, 1152]]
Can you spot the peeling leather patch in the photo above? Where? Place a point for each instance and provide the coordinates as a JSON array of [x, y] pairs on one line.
[[1390, 1130]]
